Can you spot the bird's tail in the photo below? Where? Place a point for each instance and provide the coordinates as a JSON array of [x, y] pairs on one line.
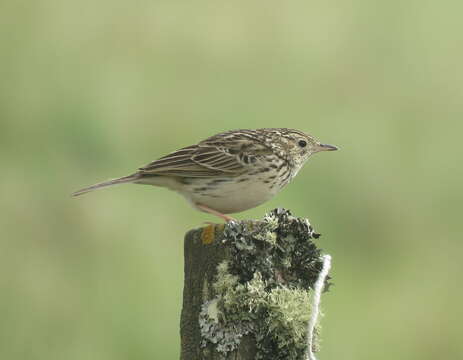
[[122, 180]]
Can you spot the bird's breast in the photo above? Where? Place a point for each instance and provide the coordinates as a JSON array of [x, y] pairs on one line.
[[233, 194]]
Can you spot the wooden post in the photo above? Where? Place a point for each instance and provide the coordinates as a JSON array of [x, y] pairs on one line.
[[247, 290]]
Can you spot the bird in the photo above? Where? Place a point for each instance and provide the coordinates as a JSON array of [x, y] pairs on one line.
[[230, 172]]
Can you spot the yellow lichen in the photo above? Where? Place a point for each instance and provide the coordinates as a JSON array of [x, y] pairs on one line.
[[208, 234]]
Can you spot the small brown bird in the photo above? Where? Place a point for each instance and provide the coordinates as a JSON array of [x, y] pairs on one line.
[[231, 171]]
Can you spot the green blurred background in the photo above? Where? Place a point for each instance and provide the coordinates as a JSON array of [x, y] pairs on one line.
[[90, 90]]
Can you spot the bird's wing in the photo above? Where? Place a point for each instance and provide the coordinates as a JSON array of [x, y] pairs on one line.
[[196, 161], [178, 163], [212, 157]]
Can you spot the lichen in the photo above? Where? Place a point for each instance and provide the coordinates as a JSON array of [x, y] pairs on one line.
[[264, 287], [220, 320], [208, 234], [288, 312]]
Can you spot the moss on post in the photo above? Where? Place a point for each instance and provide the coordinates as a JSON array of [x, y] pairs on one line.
[[247, 289]]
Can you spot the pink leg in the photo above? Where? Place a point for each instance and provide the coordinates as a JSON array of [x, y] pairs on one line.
[[214, 212]]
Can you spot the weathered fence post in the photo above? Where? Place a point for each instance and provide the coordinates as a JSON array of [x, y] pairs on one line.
[[248, 289]]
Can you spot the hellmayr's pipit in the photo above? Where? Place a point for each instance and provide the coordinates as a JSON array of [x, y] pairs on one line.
[[229, 172]]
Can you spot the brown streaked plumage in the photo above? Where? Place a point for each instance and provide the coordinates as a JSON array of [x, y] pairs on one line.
[[231, 171]]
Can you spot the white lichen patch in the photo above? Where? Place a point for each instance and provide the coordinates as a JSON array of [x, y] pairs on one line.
[[212, 310], [224, 334]]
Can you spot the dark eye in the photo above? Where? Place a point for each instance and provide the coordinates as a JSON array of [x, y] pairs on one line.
[[302, 143]]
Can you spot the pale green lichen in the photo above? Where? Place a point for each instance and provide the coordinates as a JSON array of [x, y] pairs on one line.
[[288, 315], [264, 290]]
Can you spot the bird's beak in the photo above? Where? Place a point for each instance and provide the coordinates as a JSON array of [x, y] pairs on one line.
[[326, 147]]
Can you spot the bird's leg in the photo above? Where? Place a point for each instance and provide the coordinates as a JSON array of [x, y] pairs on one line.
[[214, 212]]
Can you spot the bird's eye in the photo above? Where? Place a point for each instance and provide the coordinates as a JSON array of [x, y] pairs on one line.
[[302, 143]]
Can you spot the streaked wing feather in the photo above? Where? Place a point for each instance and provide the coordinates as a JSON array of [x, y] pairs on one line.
[[193, 161], [218, 159]]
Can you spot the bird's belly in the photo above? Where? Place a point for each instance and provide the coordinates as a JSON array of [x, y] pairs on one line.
[[230, 195]]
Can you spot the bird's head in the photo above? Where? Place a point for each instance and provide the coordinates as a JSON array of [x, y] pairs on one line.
[[300, 146]]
